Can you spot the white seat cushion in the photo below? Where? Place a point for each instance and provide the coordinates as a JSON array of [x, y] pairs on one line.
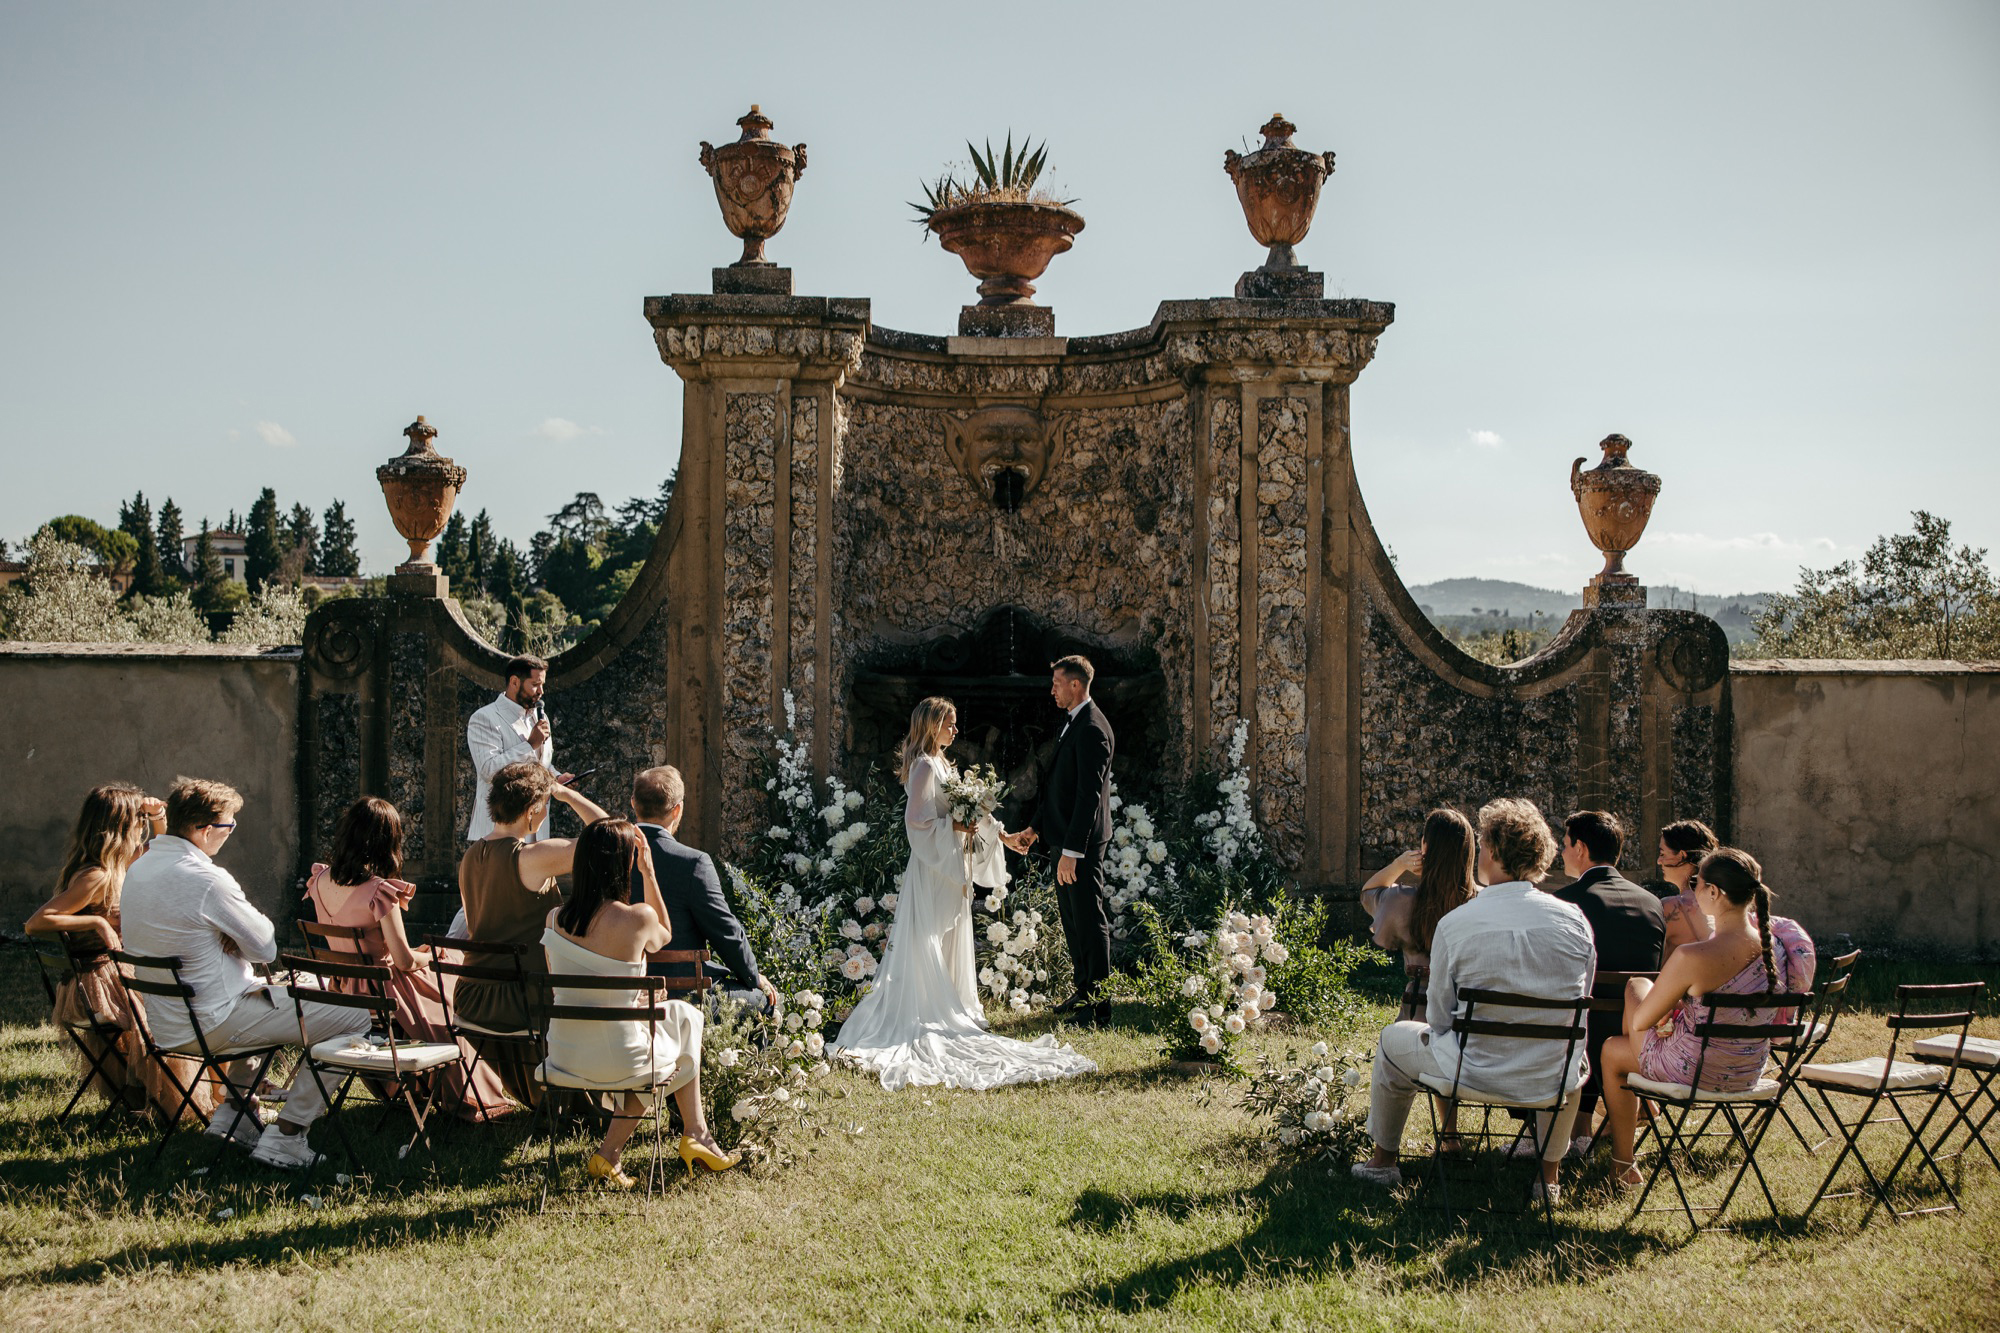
[[1814, 1032], [1978, 1050], [1465, 1092], [1866, 1075], [356, 1054], [1763, 1090]]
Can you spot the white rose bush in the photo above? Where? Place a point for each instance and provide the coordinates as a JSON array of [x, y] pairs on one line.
[[762, 1073], [1315, 1102]]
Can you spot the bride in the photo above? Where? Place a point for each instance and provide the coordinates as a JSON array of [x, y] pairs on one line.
[[923, 1023]]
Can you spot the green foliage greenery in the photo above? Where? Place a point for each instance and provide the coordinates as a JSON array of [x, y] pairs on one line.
[[1003, 177]]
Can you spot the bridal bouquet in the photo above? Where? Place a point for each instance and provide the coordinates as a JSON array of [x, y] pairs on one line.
[[975, 794]]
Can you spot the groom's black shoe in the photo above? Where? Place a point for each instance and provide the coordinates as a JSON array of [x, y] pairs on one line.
[[1100, 1014], [1074, 1003]]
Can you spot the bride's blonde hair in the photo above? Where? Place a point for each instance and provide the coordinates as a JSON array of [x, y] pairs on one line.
[[926, 733]]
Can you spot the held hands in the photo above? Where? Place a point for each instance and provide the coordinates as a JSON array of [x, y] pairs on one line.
[[1018, 843]]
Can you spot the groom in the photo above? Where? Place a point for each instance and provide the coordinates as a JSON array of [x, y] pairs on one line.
[[1075, 823]]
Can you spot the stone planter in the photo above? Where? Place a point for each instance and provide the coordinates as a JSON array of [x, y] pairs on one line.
[[753, 183], [421, 487], [1615, 500], [1006, 244], [1278, 186]]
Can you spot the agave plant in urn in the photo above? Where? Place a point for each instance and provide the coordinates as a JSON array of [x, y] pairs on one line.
[[753, 183], [421, 486], [1006, 229], [1278, 186], [1615, 500]]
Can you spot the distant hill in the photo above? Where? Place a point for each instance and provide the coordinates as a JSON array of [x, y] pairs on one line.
[[1467, 604]]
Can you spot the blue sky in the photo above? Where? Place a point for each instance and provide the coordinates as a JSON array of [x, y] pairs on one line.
[[245, 244]]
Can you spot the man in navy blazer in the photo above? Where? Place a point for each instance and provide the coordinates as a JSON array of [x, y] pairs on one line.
[[697, 913]]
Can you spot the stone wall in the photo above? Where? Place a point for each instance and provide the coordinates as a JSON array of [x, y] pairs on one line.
[[80, 715], [1870, 791]]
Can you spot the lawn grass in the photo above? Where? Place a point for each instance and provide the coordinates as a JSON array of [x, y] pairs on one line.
[[1122, 1198]]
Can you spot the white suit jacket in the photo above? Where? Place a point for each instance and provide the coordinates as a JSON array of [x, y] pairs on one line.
[[497, 736]]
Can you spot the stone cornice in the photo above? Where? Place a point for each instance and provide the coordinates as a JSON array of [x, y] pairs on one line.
[[758, 337]]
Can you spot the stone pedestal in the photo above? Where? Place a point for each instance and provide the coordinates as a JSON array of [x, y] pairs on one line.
[[1281, 284], [753, 280], [1614, 596], [419, 581], [1006, 321]]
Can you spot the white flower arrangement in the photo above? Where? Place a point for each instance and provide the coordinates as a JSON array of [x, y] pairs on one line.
[[1312, 1101]]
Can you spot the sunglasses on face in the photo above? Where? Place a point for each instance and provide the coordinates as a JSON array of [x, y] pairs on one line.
[[230, 825]]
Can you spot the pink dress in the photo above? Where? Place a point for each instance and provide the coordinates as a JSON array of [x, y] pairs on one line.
[[419, 1010], [1731, 1065]]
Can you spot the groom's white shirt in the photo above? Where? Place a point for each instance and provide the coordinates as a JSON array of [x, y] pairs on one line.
[[1081, 705]]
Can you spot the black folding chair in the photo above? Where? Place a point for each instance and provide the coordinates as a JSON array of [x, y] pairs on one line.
[[483, 962], [1885, 1079], [649, 1008], [67, 963], [209, 1061], [1747, 1112], [1979, 1057], [1543, 1113], [1831, 999], [380, 1058]]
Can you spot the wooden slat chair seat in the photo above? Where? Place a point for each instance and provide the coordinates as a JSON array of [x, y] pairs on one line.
[[66, 961], [1885, 1080], [1979, 1058], [484, 961], [1838, 972]]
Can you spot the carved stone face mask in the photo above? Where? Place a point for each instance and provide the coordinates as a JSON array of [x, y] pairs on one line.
[[998, 440]]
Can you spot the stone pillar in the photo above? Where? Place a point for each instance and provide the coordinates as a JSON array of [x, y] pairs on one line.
[[759, 461]]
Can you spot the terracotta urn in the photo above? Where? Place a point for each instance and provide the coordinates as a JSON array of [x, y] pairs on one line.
[[421, 486], [1615, 500], [753, 182], [1278, 186], [1006, 244]]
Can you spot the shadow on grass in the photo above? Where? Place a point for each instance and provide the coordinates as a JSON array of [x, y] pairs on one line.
[[1311, 1225]]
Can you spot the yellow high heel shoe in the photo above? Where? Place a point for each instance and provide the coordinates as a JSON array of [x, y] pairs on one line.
[[614, 1177], [692, 1152]]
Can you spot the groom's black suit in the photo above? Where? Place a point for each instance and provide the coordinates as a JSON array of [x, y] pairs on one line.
[[1076, 816]]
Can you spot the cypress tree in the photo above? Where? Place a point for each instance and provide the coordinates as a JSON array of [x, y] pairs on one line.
[[168, 539], [136, 520], [213, 589], [337, 554], [264, 541]]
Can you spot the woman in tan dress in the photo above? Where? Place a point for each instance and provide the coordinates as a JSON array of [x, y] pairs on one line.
[[110, 835], [359, 889], [508, 886]]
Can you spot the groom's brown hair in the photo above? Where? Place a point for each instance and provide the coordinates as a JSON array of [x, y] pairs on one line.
[[1077, 667]]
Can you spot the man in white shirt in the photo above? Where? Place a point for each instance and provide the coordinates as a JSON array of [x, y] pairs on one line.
[[178, 903], [511, 728], [1512, 937]]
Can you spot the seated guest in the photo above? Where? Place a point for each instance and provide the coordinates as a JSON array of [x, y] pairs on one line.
[[508, 885], [359, 889], [110, 835], [1405, 916], [597, 933], [1625, 923], [179, 903], [1513, 938], [1683, 844], [696, 912], [1659, 1041]]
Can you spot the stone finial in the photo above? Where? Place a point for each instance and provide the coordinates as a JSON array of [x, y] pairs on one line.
[[1615, 500], [420, 434], [753, 185], [1278, 186], [421, 487]]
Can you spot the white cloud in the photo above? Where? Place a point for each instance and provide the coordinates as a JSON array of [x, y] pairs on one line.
[[272, 433], [1485, 439], [562, 430]]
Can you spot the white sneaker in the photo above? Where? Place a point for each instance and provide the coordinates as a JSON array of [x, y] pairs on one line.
[[241, 1128], [1541, 1188], [287, 1152], [1388, 1176]]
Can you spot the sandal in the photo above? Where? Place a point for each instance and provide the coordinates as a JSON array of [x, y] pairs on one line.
[[1619, 1166]]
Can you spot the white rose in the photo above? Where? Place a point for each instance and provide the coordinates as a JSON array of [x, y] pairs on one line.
[[728, 1058], [1250, 993], [996, 932], [1256, 974], [743, 1110], [1317, 1121], [1325, 1073], [853, 800], [1211, 1041], [863, 906], [1268, 1001], [851, 928], [889, 901], [1040, 975], [872, 931], [815, 1044], [1198, 1020], [1156, 853], [1192, 986], [814, 1018], [1319, 1050], [1352, 1078], [1234, 1023], [795, 1050], [1289, 1135], [793, 1021], [780, 1095], [826, 865], [986, 976], [853, 969], [1019, 918], [1215, 1011], [1275, 952]]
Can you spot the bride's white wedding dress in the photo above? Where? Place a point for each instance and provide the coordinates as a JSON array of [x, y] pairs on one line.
[[922, 1023]]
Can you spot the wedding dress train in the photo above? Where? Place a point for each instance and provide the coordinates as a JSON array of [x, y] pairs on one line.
[[922, 1024]]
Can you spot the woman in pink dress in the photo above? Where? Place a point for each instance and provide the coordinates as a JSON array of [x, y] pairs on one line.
[[359, 889], [1660, 1017]]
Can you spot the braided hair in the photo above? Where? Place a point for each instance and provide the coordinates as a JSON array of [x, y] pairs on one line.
[[1737, 877]]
